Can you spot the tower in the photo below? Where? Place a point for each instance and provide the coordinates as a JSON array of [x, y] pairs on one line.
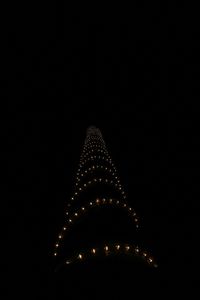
[[95, 215]]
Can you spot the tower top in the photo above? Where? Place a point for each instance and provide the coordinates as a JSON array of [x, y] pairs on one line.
[[93, 130]]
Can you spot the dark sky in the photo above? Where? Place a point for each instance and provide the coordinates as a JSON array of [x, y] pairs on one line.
[[134, 75]]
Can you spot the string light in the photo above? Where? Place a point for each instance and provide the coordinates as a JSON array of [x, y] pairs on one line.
[[84, 159]]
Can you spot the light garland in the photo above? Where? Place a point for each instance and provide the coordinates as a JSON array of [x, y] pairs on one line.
[[113, 250], [95, 150], [98, 180], [92, 204]]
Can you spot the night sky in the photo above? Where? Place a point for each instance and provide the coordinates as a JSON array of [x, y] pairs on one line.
[[134, 75]]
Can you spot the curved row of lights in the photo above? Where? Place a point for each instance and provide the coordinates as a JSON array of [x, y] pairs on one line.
[[113, 249], [94, 149], [87, 168], [79, 185], [96, 167], [93, 169], [89, 152], [94, 144], [73, 216], [98, 180], [89, 139], [96, 157], [87, 157]]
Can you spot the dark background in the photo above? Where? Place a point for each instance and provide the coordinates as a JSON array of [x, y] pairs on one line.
[[134, 74]]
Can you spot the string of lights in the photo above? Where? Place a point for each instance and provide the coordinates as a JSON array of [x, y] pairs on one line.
[[96, 171], [112, 249], [75, 215]]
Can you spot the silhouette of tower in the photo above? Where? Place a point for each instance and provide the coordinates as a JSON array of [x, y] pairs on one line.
[[99, 221]]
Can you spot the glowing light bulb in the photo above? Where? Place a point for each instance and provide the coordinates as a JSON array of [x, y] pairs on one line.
[[60, 236], [83, 208], [57, 245], [106, 248], [76, 214], [70, 220], [80, 256], [118, 246], [64, 228], [144, 254], [110, 200], [150, 260], [55, 254], [155, 265], [97, 200], [136, 250], [90, 203], [94, 251], [124, 204], [130, 208], [127, 248], [67, 262]]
